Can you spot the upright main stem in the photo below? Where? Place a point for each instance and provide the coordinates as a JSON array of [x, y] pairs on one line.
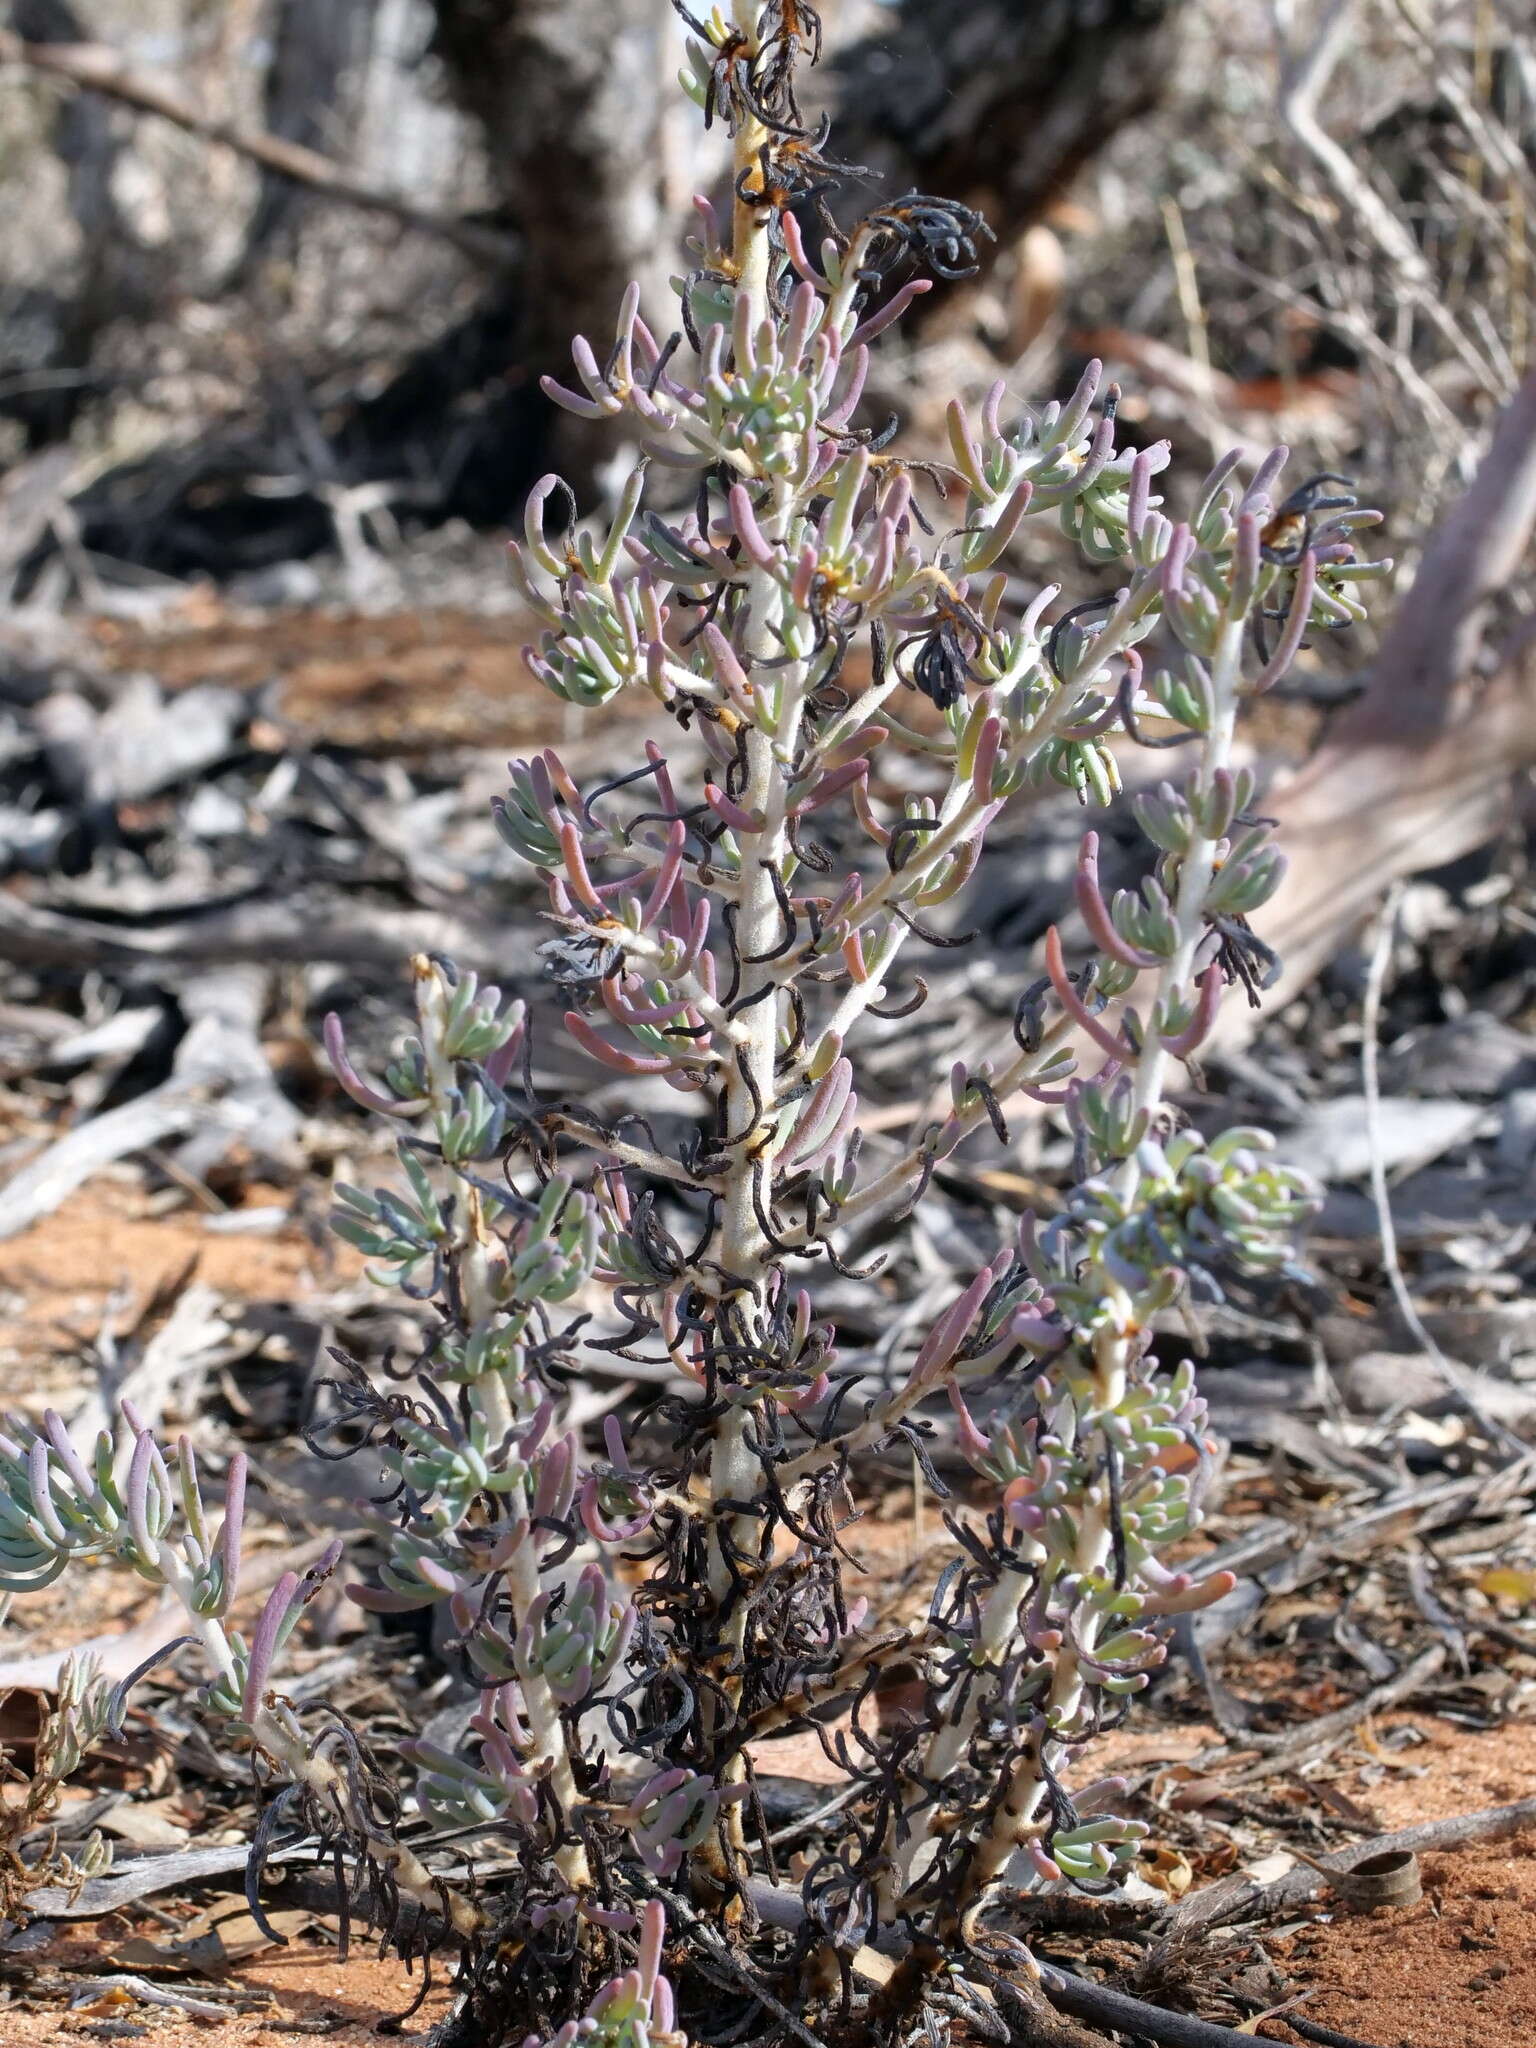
[[744, 1254], [752, 1085]]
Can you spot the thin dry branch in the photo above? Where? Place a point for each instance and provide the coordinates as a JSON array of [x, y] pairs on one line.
[[220, 1086], [1304, 84], [1361, 204], [1499, 148], [1314, 1739], [1104, 2006], [94, 67]]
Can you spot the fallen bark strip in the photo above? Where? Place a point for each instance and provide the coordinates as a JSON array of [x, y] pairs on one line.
[[1420, 770], [94, 67], [141, 1879], [264, 932], [194, 1338], [310, 1885], [220, 1087], [1240, 1898], [43, 1185], [1369, 811], [123, 1985]]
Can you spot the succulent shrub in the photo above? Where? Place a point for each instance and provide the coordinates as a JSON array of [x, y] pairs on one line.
[[818, 603]]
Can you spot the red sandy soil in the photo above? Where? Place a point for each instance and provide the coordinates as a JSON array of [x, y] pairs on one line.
[[59, 1279], [305, 1982], [399, 682], [1459, 1969], [406, 682], [1456, 1971]]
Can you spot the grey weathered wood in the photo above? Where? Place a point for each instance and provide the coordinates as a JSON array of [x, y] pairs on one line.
[[1473, 1057], [166, 1871], [30, 493], [1332, 1141], [293, 931], [142, 743], [50, 1180], [1423, 767], [193, 1338], [310, 97], [118, 1652], [220, 1087], [1244, 1898], [98, 68], [116, 1038]]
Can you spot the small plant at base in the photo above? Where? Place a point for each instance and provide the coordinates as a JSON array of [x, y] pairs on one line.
[[84, 1709], [729, 943]]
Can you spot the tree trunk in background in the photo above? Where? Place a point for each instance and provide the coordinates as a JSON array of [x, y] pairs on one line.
[[114, 269], [593, 156], [997, 102], [993, 101], [309, 96], [596, 157], [570, 97]]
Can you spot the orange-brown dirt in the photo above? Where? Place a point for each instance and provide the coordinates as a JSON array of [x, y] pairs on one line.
[[398, 682], [304, 1982], [106, 1247], [1459, 1969], [1456, 1971], [409, 682]]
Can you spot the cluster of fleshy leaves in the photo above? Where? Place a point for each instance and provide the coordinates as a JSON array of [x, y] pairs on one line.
[[636, 2009], [128, 1502], [728, 918]]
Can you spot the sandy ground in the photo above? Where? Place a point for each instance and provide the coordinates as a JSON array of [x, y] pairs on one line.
[[1456, 1971], [397, 682], [341, 2004], [1459, 1969], [107, 1251]]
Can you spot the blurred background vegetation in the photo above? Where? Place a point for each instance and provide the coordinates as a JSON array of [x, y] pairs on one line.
[[1306, 220]]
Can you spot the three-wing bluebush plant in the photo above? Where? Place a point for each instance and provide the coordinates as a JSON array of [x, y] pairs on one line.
[[641, 1629]]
